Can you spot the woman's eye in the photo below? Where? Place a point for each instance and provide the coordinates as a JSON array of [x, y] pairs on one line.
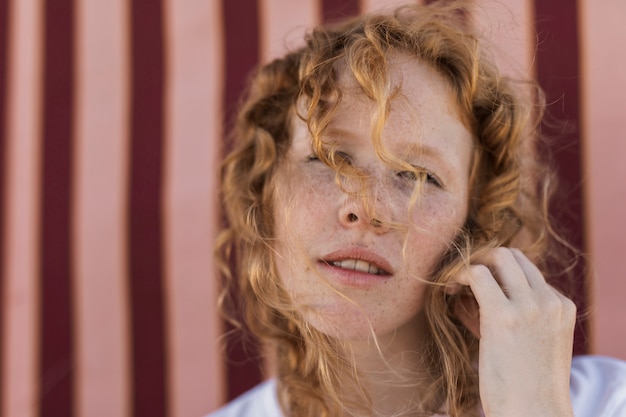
[[342, 158], [421, 175], [339, 158]]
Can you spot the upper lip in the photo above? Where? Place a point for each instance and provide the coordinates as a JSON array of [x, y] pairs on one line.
[[361, 255]]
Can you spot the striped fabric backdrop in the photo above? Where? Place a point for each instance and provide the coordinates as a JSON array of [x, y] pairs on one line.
[[112, 119]]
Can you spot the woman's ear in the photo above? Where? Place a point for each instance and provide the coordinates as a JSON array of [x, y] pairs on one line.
[[465, 308], [453, 288]]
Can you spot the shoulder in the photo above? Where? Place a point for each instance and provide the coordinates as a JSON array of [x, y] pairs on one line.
[[260, 401], [598, 386]]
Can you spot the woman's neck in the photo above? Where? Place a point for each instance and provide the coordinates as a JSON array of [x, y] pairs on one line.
[[394, 369]]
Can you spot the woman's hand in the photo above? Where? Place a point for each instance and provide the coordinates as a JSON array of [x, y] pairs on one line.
[[526, 330]]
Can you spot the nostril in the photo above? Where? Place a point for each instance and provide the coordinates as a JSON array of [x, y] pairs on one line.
[[352, 217]]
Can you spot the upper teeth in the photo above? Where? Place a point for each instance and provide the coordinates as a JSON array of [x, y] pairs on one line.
[[358, 265]]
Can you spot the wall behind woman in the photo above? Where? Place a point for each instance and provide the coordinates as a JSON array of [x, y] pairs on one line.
[[111, 128]]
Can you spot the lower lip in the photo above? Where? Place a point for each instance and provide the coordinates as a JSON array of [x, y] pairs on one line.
[[351, 278]]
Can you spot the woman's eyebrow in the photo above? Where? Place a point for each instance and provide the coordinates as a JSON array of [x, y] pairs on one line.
[[403, 149], [337, 132], [421, 148]]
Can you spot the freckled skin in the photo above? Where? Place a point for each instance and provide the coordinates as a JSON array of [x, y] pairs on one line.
[[313, 213]]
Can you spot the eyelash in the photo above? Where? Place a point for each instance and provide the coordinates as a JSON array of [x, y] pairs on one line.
[[339, 157], [407, 175], [413, 176]]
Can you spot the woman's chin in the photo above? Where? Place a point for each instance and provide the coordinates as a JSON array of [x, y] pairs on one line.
[[349, 325]]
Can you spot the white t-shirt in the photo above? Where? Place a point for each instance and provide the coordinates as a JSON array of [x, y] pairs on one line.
[[597, 388]]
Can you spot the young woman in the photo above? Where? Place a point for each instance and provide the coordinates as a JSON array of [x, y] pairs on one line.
[[388, 229]]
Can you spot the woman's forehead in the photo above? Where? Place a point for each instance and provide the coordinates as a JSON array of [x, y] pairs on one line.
[[420, 109], [407, 79]]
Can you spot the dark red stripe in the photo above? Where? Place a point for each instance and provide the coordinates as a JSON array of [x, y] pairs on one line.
[[241, 28], [4, 42], [241, 36], [57, 355], [145, 210], [333, 10], [558, 73]]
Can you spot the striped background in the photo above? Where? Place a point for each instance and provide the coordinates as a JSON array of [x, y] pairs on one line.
[[111, 125]]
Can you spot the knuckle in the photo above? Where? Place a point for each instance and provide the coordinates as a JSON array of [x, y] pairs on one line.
[[553, 304], [570, 309], [501, 251], [501, 254], [562, 308], [479, 272]]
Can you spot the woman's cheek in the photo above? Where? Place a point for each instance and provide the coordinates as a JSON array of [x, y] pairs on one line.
[[441, 215], [308, 195]]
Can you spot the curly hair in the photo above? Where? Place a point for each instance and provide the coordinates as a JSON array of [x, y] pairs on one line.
[[509, 191]]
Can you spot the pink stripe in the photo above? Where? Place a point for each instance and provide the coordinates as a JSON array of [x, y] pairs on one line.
[[100, 161], [604, 89], [4, 20], [192, 145], [284, 25], [378, 5], [21, 301]]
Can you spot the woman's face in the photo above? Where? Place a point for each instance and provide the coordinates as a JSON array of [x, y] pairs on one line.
[[350, 276]]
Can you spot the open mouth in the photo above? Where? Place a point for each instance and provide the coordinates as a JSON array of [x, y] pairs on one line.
[[358, 265]]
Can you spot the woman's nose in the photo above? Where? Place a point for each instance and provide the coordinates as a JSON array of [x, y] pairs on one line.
[[365, 212]]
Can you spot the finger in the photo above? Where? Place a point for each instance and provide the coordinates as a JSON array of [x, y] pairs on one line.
[[453, 288], [484, 286], [570, 310], [533, 275], [569, 304], [506, 270]]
